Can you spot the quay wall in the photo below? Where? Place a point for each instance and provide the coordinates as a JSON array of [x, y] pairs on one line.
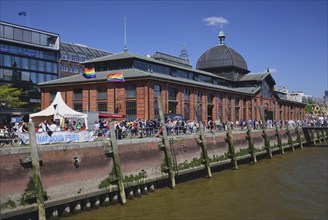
[[73, 171]]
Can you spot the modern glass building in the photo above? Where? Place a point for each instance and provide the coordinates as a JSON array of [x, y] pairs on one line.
[[30, 56], [27, 57]]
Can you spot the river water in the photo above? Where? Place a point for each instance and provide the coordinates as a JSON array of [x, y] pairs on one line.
[[290, 186]]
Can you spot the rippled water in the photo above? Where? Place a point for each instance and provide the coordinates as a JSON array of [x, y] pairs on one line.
[[290, 186]]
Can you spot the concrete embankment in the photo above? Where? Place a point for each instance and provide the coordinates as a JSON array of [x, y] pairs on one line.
[[78, 177]]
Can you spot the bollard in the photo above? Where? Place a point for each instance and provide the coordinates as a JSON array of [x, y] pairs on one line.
[[106, 201], [77, 208], [144, 190], [151, 188], [87, 205], [54, 214], [137, 192], [67, 211]]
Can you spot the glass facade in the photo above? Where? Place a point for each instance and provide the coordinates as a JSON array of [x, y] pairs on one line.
[[27, 57]]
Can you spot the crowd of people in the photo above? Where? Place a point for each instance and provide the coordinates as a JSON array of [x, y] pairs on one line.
[[146, 128]]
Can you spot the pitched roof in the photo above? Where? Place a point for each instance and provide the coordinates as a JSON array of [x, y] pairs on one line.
[[132, 74]]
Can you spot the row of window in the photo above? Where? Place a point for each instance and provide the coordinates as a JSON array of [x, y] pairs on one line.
[[32, 37], [70, 57], [11, 75], [71, 69], [47, 55], [28, 64]]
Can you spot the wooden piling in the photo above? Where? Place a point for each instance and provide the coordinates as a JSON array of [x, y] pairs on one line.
[[231, 147], [298, 134], [251, 147], [117, 163], [202, 143], [279, 142], [265, 134], [36, 172], [167, 146], [290, 140]]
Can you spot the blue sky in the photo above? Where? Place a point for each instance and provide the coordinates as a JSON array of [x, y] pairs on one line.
[[289, 37]]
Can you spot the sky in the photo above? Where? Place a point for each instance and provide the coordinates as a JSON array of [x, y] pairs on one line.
[[288, 37]]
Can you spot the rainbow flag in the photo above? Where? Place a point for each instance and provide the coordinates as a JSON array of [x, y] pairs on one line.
[[89, 72], [115, 77]]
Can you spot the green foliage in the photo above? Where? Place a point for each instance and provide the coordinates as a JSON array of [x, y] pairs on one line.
[[10, 96], [104, 184], [9, 204], [308, 109]]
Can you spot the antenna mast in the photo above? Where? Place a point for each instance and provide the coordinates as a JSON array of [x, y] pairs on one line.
[[125, 48]]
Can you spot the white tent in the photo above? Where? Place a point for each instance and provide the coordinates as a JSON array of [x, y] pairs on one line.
[[58, 109]]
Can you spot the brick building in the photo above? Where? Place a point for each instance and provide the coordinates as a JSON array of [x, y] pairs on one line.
[[219, 88]]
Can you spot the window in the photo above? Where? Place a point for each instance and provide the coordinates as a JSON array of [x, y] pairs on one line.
[[33, 64], [53, 94], [220, 99], [44, 39], [157, 91], [27, 36], [172, 93], [186, 109], [8, 32], [41, 66], [25, 63], [25, 76], [210, 98], [78, 107], [18, 34], [199, 112], [102, 93], [102, 106], [199, 96], [77, 94], [130, 91], [131, 111], [35, 38], [187, 95]]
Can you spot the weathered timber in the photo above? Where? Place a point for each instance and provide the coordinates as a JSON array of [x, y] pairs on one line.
[[36, 172], [251, 147], [298, 134], [202, 143], [265, 134], [167, 146], [231, 147], [117, 163], [279, 142], [290, 140]]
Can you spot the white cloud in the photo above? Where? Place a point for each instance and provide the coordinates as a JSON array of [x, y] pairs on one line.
[[212, 21], [272, 70]]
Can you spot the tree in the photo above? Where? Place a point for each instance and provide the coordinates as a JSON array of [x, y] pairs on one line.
[[10, 96]]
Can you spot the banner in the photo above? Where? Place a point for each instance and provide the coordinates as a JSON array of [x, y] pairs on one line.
[[59, 137]]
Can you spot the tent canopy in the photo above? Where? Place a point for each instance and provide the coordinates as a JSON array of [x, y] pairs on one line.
[[58, 109]]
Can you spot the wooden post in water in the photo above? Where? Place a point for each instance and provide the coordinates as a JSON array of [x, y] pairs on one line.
[[167, 146], [290, 140], [298, 134], [251, 147], [265, 134], [36, 172], [205, 158], [279, 142], [117, 163], [231, 145]]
